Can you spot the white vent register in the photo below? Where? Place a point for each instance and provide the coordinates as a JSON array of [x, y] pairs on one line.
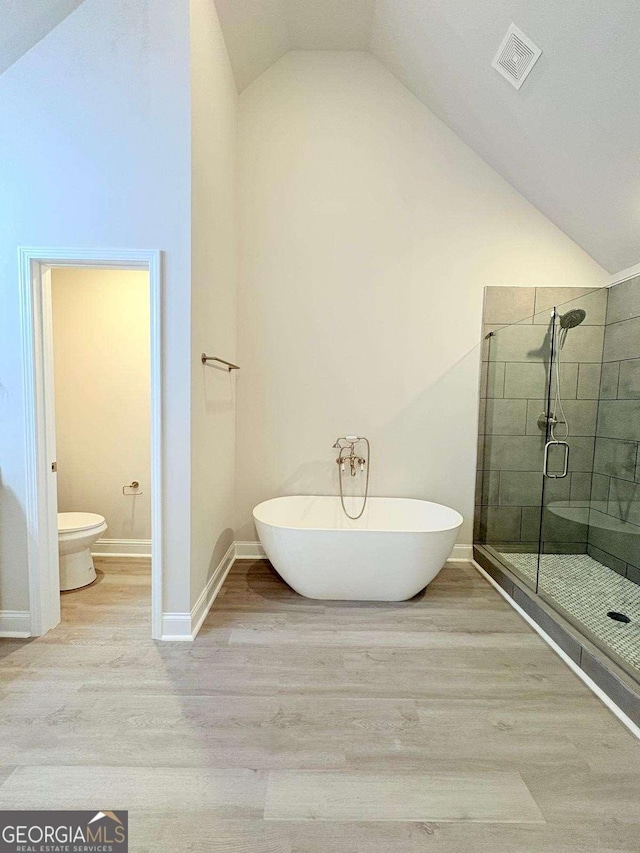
[[516, 56]]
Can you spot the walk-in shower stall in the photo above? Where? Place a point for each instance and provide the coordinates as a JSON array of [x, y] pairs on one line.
[[558, 484]]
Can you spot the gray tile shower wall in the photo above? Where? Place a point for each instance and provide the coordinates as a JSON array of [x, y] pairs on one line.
[[513, 391], [614, 519]]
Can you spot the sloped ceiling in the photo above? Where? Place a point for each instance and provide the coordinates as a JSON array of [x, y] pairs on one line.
[[259, 32], [24, 22], [569, 140]]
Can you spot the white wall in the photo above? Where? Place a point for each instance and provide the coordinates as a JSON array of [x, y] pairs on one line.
[[95, 152], [368, 232], [102, 395], [213, 294]]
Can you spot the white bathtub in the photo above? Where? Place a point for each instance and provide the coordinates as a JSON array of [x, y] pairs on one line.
[[390, 554]]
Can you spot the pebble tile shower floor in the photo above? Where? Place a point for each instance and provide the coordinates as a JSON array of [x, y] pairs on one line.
[[587, 591]]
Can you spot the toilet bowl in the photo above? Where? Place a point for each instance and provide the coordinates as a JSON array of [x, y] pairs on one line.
[[77, 531]]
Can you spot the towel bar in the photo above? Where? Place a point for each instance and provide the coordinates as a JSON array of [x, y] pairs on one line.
[[205, 358]]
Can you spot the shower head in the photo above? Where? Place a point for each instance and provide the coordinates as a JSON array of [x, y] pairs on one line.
[[572, 318], [350, 439]]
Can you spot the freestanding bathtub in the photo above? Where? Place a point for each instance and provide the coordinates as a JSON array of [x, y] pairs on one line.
[[389, 554]]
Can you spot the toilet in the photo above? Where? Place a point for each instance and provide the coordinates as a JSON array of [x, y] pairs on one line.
[[77, 531]]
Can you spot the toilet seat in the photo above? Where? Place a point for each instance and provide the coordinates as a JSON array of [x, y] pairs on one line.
[[74, 522]]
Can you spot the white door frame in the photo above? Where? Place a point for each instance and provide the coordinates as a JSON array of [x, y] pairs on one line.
[[37, 360]]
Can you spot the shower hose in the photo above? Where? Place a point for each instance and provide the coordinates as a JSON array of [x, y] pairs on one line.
[[366, 486]]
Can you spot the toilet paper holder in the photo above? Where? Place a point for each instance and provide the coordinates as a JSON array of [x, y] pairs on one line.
[[133, 488]]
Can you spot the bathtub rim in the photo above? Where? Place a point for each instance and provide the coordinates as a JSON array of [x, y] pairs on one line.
[[404, 531]]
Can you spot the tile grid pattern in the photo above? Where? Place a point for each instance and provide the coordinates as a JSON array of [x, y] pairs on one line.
[[614, 519], [586, 590], [513, 396]]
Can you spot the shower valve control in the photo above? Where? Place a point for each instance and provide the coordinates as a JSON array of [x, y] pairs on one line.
[[548, 420]]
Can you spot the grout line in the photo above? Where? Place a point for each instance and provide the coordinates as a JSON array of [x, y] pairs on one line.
[[604, 551], [618, 360], [521, 527], [580, 364], [624, 320], [582, 675]]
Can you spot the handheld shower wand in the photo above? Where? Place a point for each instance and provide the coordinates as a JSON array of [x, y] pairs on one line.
[[347, 455]]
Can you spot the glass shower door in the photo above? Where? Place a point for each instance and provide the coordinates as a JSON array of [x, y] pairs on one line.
[[558, 486], [515, 393], [590, 525]]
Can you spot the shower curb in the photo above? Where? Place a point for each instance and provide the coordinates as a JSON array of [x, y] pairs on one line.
[[582, 655]]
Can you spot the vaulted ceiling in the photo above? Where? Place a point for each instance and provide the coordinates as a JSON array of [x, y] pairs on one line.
[[24, 22], [568, 140], [259, 32]]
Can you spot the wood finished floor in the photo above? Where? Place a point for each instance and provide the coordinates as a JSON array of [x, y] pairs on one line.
[[440, 724]]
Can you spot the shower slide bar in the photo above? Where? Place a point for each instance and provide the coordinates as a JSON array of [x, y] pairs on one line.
[[205, 358]]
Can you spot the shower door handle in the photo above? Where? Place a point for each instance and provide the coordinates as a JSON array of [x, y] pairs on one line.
[[545, 467]]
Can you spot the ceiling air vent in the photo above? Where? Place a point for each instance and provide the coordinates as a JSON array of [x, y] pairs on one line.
[[516, 56]]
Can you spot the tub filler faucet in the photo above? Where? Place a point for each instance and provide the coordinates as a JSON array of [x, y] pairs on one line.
[[347, 454], [346, 447]]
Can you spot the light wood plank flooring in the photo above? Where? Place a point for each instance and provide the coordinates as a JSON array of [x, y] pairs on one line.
[[440, 724]]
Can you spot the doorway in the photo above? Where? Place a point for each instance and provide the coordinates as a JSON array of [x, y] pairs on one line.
[[36, 266]]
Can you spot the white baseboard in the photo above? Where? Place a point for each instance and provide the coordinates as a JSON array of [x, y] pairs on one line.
[[461, 554], [15, 623], [176, 626], [185, 626], [249, 551], [122, 548], [209, 593], [255, 551]]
